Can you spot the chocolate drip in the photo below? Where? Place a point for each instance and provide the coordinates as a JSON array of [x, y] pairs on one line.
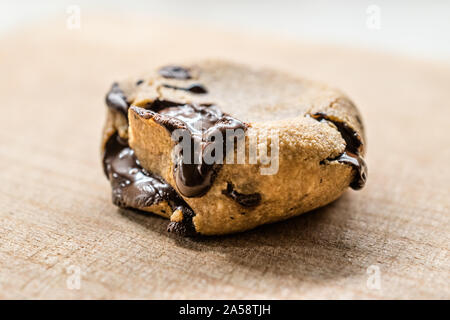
[[132, 186], [116, 100], [200, 123], [193, 88], [186, 226], [245, 200], [356, 162], [175, 72], [351, 155]]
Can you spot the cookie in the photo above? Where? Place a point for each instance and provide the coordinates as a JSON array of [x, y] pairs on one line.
[[219, 147]]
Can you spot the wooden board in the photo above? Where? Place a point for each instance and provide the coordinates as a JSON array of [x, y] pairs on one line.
[[57, 217]]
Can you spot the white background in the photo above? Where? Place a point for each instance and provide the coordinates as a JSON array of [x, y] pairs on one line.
[[417, 28]]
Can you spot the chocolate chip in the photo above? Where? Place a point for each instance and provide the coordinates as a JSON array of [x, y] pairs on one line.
[[174, 72], [139, 82], [245, 200], [194, 88], [351, 155], [116, 100], [197, 88]]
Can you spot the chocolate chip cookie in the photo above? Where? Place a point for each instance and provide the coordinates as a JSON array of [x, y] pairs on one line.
[[220, 147]]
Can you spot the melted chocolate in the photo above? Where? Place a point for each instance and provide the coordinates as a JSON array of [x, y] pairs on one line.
[[175, 72], [193, 88], [132, 186], [361, 168], [245, 200], [351, 155], [192, 174], [351, 137], [116, 100]]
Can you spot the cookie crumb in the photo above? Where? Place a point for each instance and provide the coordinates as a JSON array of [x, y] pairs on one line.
[[177, 216]]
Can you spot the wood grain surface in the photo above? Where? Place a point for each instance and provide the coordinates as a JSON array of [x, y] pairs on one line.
[[56, 215]]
